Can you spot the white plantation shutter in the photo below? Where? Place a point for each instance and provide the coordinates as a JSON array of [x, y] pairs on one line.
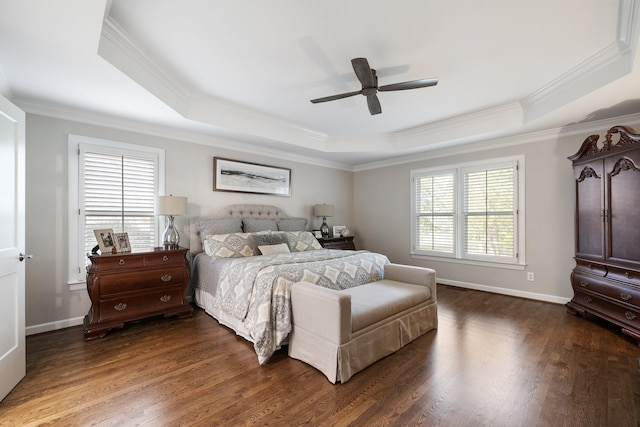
[[435, 221], [485, 227], [118, 193], [490, 212]]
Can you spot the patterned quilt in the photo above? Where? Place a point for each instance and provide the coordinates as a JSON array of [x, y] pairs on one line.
[[256, 289]]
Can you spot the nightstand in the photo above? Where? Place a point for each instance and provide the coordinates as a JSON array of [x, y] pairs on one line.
[[345, 242], [131, 286]]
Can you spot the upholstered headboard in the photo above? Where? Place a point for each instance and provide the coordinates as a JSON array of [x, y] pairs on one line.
[[229, 220]]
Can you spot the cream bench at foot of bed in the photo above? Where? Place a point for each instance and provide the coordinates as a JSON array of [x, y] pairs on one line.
[[342, 332]]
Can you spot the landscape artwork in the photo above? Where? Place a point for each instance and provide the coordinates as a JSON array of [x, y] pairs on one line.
[[233, 175]]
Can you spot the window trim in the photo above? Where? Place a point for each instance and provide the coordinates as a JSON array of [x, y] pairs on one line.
[[76, 277], [457, 257]]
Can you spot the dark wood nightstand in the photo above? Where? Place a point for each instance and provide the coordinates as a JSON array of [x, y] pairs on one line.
[[345, 242], [131, 286]]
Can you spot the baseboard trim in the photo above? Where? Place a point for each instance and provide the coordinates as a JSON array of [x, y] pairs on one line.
[[505, 291], [52, 326], [67, 323]]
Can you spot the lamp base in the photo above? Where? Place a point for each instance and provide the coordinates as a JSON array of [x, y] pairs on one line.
[[171, 237], [324, 228]]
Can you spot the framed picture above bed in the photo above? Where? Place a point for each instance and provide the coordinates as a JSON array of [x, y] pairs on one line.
[[244, 177]]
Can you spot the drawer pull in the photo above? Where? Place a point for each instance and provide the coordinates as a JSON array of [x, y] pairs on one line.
[[165, 258], [120, 306], [625, 296], [587, 298], [627, 274], [630, 315], [584, 284], [121, 262], [165, 277], [165, 298]]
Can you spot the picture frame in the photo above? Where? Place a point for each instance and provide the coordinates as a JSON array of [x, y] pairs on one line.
[[106, 240], [244, 177], [122, 242], [340, 231]]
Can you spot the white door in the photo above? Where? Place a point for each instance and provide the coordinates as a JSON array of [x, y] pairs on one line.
[[12, 334]]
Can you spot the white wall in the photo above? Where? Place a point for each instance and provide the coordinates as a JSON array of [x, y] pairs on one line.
[[382, 209], [189, 172]]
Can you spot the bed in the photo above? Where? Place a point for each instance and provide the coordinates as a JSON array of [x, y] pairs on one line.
[[245, 260]]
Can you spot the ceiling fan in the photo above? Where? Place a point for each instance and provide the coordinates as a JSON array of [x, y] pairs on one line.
[[370, 88]]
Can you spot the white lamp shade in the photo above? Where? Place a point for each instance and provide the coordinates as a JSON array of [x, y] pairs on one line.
[[170, 205], [323, 210]]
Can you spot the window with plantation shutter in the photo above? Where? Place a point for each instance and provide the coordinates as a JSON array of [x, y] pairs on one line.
[[435, 214], [112, 185], [469, 212]]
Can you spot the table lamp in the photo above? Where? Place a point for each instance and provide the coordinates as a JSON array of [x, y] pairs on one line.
[[170, 206], [324, 211]]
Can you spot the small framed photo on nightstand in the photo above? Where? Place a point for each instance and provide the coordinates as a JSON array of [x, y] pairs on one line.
[[106, 240], [122, 242], [340, 231]]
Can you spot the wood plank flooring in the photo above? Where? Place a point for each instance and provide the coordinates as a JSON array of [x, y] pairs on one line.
[[494, 361]]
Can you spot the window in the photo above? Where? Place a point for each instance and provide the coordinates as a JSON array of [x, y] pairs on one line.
[[111, 185], [470, 211]]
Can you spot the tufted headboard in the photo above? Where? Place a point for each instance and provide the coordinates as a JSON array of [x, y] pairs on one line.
[[232, 211]]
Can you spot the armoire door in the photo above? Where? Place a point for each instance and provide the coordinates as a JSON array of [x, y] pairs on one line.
[[623, 208], [589, 182]]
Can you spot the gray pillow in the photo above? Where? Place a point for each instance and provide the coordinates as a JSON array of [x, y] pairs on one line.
[[256, 240], [209, 226], [253, 225], [292, 224]]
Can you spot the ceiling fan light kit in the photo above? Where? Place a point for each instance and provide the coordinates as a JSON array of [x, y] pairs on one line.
[[369, 80]]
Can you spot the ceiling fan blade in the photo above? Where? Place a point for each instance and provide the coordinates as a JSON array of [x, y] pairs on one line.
[[334, 97], [363, 71], [374, 104], [413, 84]]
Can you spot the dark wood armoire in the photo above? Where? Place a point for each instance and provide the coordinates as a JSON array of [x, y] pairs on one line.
[[606, 278]]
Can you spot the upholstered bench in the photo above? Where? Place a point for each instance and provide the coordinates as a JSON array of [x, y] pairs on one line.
[[342, 332]]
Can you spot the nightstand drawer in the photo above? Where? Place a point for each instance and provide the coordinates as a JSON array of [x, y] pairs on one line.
[[120, 263], [164, 258], [143, 304], [141, 280]]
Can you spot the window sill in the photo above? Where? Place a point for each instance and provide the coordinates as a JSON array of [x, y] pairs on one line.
[[77, 286], [519, 266]]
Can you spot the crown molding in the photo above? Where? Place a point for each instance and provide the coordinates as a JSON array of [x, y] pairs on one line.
[[166, 132], [576, 129], [606, 66], [119, 49]]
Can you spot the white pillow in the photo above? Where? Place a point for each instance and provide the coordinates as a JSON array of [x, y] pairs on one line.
[[281, 248]]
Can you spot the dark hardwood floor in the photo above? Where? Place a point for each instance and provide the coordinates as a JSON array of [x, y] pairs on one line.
[[494, 361]]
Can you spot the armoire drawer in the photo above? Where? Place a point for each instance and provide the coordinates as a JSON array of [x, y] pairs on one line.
[[620, 313], [626, 294]]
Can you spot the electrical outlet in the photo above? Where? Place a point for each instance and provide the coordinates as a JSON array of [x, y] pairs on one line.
[[530, 276]]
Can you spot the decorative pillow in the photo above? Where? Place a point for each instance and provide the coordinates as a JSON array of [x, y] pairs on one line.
[[300, 241], [292, 224], [281, 248], [208, 226], [266, 238], [233, 245], [253, 225]]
